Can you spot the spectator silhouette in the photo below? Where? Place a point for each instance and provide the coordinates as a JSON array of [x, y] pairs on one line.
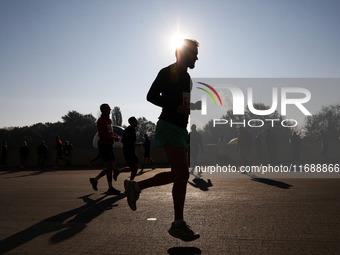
[[195, 142], [23, 154], [258, 147], [244, 143], [42, 153], [271, 146], [67, 152], [296, 146], [59, 148], [324, 144], [222, 155], [3, 154]]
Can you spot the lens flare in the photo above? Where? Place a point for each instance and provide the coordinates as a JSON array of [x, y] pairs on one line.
[[177, 41]]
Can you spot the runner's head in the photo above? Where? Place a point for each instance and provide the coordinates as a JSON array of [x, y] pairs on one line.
[[186, 54], [133, 121], [105, 109]]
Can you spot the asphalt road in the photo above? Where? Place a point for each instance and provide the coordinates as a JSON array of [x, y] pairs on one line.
[[57, 212]]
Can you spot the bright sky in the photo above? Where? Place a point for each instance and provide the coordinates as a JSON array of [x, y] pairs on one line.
[[59, 56]]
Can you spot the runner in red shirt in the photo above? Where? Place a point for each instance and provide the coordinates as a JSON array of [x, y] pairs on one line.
[[59, 148], [105, 143]]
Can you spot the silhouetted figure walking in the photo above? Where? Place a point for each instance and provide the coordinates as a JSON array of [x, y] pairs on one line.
[[42, 153], [296, 146], [23, 154]]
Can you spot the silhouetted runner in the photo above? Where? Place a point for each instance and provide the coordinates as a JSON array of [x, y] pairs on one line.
[[171, 91]]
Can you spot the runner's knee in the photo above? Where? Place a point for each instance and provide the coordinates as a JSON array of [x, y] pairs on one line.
[[182, 176]]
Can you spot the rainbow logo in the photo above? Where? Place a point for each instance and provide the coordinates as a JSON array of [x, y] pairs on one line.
[[209, 93]]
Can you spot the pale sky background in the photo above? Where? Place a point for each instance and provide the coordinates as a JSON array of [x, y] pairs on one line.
[[59, 56]]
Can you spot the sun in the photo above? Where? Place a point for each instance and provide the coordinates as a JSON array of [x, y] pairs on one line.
[[177, 41]]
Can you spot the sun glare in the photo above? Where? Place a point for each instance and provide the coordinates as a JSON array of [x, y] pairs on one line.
[[177, 41]]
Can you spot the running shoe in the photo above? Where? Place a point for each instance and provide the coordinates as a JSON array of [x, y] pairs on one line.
[[183, 232], [131, 193], [113, 191], [94, 184], [115, 174]]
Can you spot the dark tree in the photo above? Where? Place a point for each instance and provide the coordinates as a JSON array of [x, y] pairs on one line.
[[74, 118], [328, 118], [116, 116], [145, 127]]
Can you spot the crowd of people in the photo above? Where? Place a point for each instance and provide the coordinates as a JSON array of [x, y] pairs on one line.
[[62, 152], [245, 143]]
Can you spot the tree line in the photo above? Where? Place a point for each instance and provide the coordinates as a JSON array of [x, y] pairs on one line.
[[328, 119], [79, 129]]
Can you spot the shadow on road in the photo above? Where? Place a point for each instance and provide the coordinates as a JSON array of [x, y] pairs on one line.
[[42, 171], [201, 184], [270, 182], [141, 172], [184, 251], [67, 227]]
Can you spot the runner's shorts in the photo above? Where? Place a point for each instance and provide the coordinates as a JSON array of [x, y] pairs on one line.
[[106, 152], [167, 132], [147, 154], [59, 153], [130, 158]]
